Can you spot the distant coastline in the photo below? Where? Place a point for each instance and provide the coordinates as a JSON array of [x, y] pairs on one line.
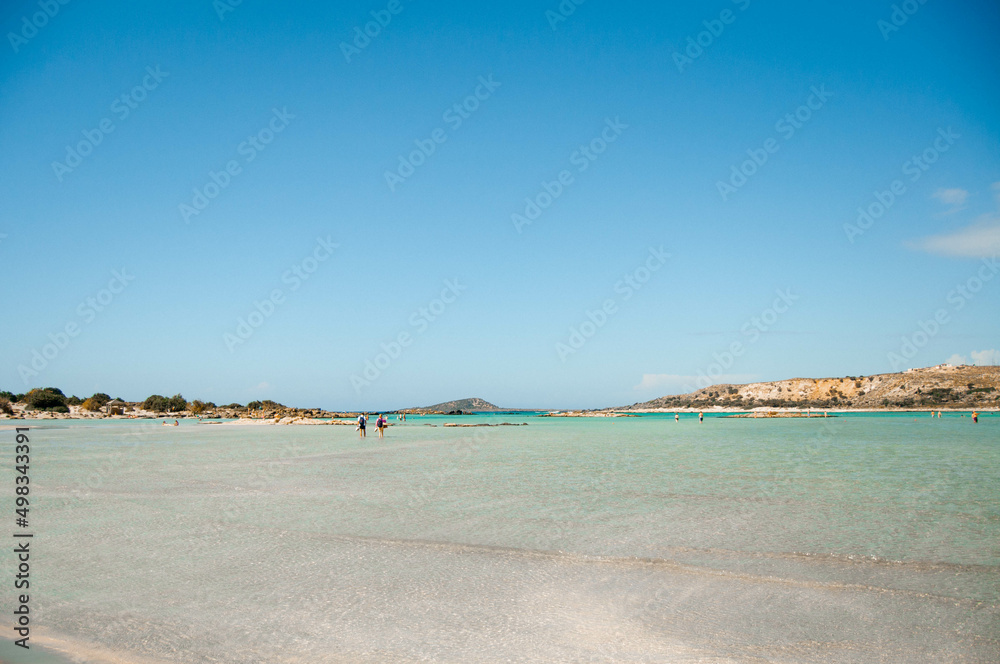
[[943, 388]]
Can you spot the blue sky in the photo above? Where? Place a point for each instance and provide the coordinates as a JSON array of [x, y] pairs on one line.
[[581, 307]]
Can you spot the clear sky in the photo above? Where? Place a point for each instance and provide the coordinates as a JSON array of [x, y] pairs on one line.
[[546, 203]]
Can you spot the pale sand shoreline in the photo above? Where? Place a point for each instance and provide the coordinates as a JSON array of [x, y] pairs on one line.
[[61, 649], [67, 649]]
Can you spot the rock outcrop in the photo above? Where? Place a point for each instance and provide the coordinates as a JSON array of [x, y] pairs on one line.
[[943, 386]]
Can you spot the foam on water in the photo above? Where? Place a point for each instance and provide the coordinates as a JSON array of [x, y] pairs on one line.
[[625, 540]]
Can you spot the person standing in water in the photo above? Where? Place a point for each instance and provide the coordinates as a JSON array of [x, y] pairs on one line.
[[677, 417], [362, 420], [975, 417], [380, 425], [701, 417]]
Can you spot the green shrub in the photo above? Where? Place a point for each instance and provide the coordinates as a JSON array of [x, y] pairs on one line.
[[46, 398], [176, 403], [267, 404], [101, 398], [198, 407], [5, 406], [157, 403]]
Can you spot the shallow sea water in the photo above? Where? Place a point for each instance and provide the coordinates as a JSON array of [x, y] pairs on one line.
[[850, 539]]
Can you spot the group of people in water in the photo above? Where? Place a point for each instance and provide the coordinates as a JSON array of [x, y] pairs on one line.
[[380, 424], [975, 416]]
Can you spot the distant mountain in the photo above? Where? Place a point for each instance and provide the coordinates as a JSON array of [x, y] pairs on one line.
[[471, 405], [943, 386]]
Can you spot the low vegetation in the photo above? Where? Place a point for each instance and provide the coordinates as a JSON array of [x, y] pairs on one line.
[[161, 404], [96, 402], [49, 399], [267, 404]]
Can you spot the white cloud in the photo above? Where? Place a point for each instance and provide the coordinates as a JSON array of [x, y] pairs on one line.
[[953, 197], [676, 384], [980, 240], [984, 358], [263, 385], [981, 358]]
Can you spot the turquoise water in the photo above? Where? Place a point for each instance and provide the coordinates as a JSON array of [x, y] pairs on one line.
[[596, 540]]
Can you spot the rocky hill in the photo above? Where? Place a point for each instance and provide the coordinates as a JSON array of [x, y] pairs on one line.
[[471, 405], [943, 386]]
